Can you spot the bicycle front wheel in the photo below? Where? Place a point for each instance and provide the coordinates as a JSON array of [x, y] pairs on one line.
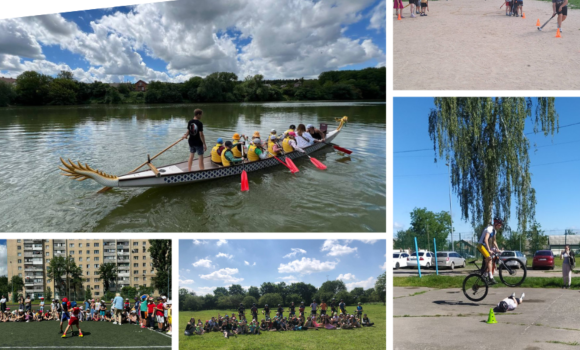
[[512, 272], [475, 287]]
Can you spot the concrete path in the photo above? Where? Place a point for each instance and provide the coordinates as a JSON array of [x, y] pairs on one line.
[[426, 318]]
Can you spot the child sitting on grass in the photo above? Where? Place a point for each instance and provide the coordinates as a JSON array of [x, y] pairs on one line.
[[366, 322]]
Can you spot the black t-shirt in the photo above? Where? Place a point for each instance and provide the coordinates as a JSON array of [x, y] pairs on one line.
[[254, 310], [292, 308], [241, 310], [266, 309], [195, 140], [280, 310], [317, 135]]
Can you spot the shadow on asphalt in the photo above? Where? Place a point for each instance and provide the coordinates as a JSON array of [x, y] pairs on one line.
[[454, 303]]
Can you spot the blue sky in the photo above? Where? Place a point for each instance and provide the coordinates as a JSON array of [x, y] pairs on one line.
[[173, 41], [207, 264], [419, 182]]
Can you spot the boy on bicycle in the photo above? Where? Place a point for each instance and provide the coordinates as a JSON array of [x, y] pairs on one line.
[[487, 243]]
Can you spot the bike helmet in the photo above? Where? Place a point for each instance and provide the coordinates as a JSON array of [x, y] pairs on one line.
[[497, 221]]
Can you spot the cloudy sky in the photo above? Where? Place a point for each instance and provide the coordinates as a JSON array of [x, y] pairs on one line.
[[3, 258], [173, 41], [207, 264]]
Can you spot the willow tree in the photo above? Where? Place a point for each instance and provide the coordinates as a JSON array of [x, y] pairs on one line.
[[483, 141]]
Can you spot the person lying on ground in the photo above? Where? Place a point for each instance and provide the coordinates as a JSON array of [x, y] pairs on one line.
[[509, 304]]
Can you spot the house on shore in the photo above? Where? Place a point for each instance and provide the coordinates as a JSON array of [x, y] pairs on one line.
[[10, 81], [140, 86]]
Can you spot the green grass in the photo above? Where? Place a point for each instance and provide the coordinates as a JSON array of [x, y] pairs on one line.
[[360, 338], [434, 281], [571, 3], [102, 334]]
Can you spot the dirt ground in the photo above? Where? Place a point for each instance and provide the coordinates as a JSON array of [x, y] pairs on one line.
[[473, 45], [426, 318]]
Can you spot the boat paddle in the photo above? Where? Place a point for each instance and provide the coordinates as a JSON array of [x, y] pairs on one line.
[[106, 188], [289, 162], [317, 163], [245, 183], [286, 165]]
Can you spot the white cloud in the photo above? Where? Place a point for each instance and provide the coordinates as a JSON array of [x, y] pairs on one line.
[[221, 242], [295, 251], [286, 39], [224, 275], [384, 266], [366, 284], [368, 241], [185, 282], [334, 248], [379, 16], [307, 266], [203, 263], [187, 270], [198, 242], [346, 277], [224, 255], [398, 225], [248, 264], [3, 260], [204, 290]]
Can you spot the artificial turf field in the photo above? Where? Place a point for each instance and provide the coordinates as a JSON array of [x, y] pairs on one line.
[[360, 338], [97, 335]]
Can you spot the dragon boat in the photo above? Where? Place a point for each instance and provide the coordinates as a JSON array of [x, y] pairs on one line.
[[175, 174]]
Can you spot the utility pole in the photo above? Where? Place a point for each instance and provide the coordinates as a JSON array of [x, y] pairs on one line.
[[450, 208]]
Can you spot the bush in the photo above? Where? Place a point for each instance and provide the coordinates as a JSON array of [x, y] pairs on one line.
[[272, 299], [112, 96], [7, 94], [249, 301]]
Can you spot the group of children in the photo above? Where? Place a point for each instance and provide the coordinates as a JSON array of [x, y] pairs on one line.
[[234, 326], [420, 8], [514, 8], [145, 311]]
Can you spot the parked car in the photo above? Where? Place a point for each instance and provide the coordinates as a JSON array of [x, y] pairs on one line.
[[400, 260], [449, 259], [507, 254], [425, 259], [467, 256], [543, 258]]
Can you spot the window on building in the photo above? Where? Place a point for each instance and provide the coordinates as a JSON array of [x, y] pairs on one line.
[[135, 257], [97, 258], [96, 273], [48, 261], [97, 294], [88, 259], [87, 273], [19, 268], [18, 241], [135, 251], [96, 252], [80, 251], [144, 257], [144, 243], [96, 245], [144, 279], [80, 245], [19, 247], [88, 252], [135, 272], [19, 275], [47, 254], [135, 243], [80, 259], [144, 271], [88, 266], [20, 261], [134, 265], [72, 245], [97, 287], [135, 279], [19, 254], [97, 266], [95, 280], [47, 247], [72, 252]]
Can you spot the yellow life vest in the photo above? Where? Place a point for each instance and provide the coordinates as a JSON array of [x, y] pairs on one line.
[[225, 161], [235, 149], [271, 152], [287, 131], [215, 157], [286, 145], [252, 156]]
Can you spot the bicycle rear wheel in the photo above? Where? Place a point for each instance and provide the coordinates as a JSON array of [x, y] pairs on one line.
[[475, 287], [512, 272]]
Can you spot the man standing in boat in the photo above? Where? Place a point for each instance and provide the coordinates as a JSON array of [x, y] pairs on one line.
[[196, 139]]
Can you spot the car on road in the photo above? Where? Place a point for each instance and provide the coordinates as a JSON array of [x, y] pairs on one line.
[[400, 260], [425, 259], [450, 260], [508, 254], [543, 259]]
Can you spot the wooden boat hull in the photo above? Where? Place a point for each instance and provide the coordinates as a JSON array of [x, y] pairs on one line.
[[148, 178]]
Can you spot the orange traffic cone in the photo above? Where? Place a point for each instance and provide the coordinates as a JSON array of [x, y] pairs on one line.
[[523, 15], [538, 23], [558, 33], [398, 19]]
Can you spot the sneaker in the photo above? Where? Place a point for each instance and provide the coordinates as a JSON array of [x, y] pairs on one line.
[[114, 322], [80, 335], [63, 336], [513, 295], [425, 14], [169, 333], [413, 15], [492, 281], [522, 297]]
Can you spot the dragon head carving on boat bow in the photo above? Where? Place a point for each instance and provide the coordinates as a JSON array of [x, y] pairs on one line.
[[81, 172]]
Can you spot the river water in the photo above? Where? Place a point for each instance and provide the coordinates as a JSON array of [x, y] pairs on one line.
[[348, 196]]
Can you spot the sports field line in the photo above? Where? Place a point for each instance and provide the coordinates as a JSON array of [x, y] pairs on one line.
[[86, 347], [165, 335]]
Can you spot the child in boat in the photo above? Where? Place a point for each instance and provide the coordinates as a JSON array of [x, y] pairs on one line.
[[237, 146], [216, 151], [273, 147], [303, 137], [256, 151], [227, 156], [289, 144], [292, 128]]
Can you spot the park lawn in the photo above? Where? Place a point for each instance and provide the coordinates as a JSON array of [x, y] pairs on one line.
[[360, 338], [434, 281], [96, 334]]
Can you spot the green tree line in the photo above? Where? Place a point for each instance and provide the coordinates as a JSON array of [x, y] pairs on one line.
[[35, 89], [280, 293]]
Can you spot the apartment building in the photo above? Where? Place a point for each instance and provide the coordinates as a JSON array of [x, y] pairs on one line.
[[30, 258]]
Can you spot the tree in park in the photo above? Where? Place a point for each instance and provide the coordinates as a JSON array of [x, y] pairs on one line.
[[381, 287], [48, 293], [65, 273], [145, 290], [224, 303], [483, 141], [268, 288], [160, 252], [129, 292], [16, 284], [426, 225], [305, 290], [88, 293], [538, 240], [272, 299], [221, 292], [108, 275], [209, 301], [236, 289], [33, 88], [66, 75], [332, 287], [248, 301], [254, 292], [4, 290]]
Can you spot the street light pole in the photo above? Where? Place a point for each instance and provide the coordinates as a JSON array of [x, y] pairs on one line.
[[450, 208]]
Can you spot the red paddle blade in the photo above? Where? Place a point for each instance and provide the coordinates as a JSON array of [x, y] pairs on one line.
[[347, 151], [291, 165], [318, 164], [245, 184]]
